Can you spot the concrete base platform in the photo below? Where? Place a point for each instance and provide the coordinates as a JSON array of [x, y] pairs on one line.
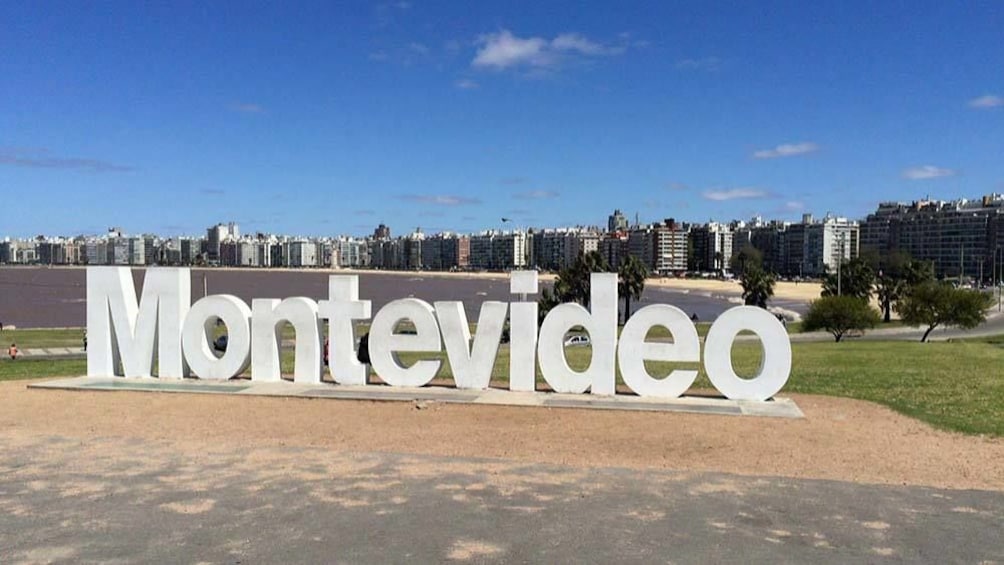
[[778, 407]]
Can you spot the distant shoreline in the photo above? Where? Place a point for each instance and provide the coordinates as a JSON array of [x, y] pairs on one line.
[[784, 290]]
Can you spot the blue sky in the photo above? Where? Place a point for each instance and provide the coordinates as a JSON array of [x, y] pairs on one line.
[[325, 119]]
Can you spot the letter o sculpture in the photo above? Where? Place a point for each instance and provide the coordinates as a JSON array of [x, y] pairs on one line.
[[198, 328], [774, 369]]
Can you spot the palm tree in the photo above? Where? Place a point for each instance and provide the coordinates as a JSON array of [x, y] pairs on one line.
[[572, 282], [631, 276], [758, 286]]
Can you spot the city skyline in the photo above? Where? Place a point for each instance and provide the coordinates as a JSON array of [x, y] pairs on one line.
[[959, 236], [330, 121]]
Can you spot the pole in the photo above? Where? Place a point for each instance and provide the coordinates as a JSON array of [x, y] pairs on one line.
[[840, 263], [205, 286]]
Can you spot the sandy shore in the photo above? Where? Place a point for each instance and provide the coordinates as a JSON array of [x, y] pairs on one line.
[[839, 439], [801, 292]]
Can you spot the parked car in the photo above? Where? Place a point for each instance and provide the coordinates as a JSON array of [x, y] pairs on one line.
[[575, 340]]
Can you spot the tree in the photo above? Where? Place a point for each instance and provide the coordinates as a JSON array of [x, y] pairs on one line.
[[839, 315], [631, 276], [758, 286], [898, 273], [934, 304], [757, 283], [853, 278], [572, 282], [548, 300], [747, 257]]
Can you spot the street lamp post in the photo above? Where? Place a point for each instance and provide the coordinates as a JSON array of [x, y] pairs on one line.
[[840, 262], [1000, 276]]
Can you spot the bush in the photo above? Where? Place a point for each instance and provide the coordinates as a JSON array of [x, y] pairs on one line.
[[839, 315], [936, 304]]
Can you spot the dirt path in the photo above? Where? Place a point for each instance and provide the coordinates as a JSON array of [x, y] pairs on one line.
[[839, 439]]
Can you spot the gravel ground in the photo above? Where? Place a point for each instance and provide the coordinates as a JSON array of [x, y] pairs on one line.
[[839, 439]]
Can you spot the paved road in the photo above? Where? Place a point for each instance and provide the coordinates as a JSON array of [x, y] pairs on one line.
[[993, 326], [139, 501]]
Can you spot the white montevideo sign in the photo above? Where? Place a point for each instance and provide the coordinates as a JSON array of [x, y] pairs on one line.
[[126, 336]]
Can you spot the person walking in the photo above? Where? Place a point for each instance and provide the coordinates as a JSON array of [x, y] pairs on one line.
[[12, 351]]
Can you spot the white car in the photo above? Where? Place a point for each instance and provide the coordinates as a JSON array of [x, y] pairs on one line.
[[577, 340]]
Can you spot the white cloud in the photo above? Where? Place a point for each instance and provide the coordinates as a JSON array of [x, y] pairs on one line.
[[466, 84], [734, 194], [786, 150], [577, 42], [927, 172], [987, 101], [440, 199], [794, 206], [503, 50]]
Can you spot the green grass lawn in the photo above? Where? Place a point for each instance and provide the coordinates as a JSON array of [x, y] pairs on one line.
[[955, 385], [73, 337], [40, 368], [951, 385], [33, 339]]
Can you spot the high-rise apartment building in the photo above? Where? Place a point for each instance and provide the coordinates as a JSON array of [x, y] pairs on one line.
[[711, 247], [960, 237], [217, 234], [617, 222], [661, 247]]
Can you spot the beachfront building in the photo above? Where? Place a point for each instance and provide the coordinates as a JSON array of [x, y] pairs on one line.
[[446, 252], [711, 247], [498, 251], [828, 243], [662, 247], [614, 248], [151, 249], [351, 252], [56, 251], [114, 249], [218, 234], [555, 249], [809, 248], [387, 254], [412, 250], [301, 253], [8, 251], [960, 237]]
